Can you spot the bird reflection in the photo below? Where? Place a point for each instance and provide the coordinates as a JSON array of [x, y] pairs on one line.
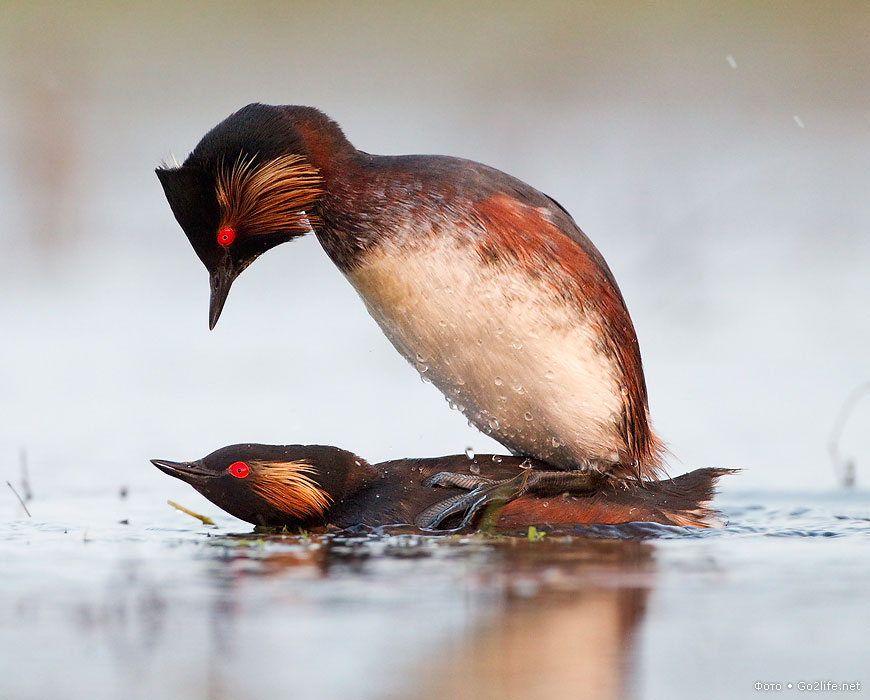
[[564, 628], [554, 617]]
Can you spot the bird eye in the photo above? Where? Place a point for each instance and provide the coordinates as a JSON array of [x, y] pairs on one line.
[[239, 470], [226, 236]]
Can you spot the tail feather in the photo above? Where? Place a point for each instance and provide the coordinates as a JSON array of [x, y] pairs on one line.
[[685, 500]]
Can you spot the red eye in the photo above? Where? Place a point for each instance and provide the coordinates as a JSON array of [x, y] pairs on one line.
[[239, 470], [226, 236]]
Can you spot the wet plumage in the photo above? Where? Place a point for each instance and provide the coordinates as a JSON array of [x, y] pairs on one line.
[[318, 485], [484, 284]]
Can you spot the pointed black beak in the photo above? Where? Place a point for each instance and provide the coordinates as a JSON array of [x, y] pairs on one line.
[[221, 279], [191, 472]]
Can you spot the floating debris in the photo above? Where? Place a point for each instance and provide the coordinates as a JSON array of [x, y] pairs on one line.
[[204, 519], [20, 500], [534, 535]]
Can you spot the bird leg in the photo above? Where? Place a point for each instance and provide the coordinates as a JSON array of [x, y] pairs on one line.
[[485, 492], [459, 481]]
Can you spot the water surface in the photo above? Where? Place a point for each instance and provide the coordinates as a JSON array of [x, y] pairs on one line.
[[105, 597]]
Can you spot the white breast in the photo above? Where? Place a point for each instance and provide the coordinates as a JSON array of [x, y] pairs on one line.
[[522, 365]]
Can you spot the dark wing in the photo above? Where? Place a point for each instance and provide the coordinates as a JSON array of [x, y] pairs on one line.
[[527, 230]]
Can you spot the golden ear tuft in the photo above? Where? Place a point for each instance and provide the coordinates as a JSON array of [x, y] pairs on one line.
[[289, 487], [268, 197]]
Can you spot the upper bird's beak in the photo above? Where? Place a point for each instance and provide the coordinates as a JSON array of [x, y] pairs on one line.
[[191, 472], [221, 279]]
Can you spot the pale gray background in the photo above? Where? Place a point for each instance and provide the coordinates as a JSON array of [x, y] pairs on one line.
[[717, 154]]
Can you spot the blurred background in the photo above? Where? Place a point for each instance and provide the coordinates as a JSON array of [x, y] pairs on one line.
[[717, 156]]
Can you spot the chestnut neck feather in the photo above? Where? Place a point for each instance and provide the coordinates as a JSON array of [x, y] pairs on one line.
[[373, 199]]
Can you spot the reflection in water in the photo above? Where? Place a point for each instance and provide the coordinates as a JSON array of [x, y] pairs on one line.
[[579, 647], [564, 629], [164, 607], [538, 619]]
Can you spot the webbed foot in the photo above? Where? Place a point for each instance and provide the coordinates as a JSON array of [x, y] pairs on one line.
[[482, 492], [485, 492]]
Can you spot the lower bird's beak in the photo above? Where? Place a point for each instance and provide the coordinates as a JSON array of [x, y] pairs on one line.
[[221, 279], [191, 472]]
